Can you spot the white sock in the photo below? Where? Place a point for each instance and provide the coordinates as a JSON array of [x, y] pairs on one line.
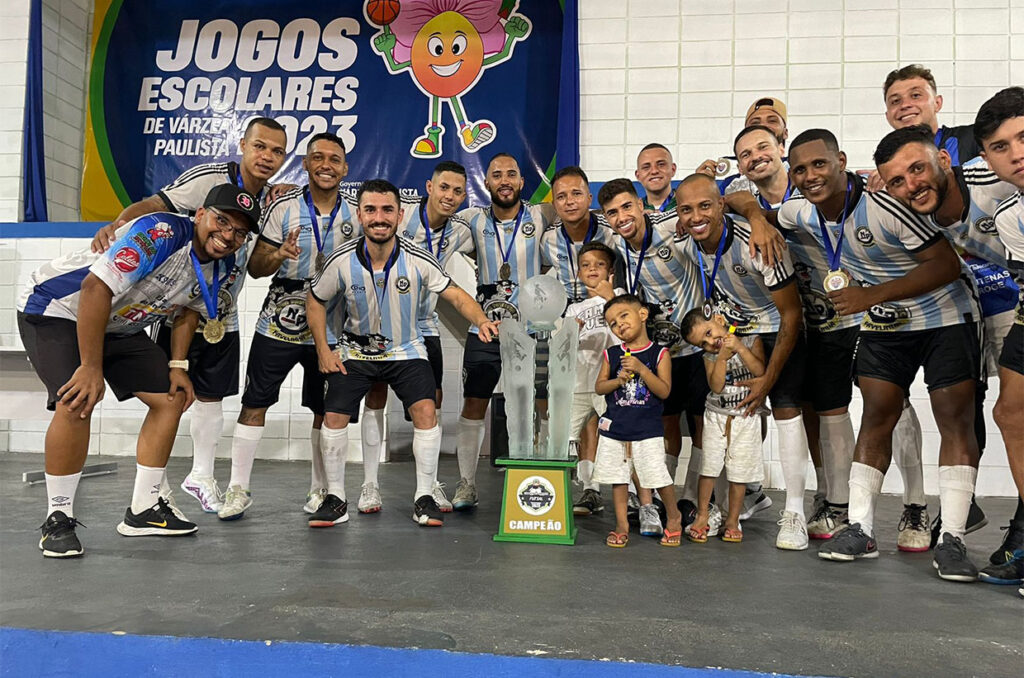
[[205, 428], [317, 478], [693, 474], [468, 438], [243, 453], [147, 487], [821, 482], [793, 452], [60, 493], [956, 487], [865, 486], [671, 463], [426, 448], [585, 472], [371, 427], [906, 452], [837, 445], [334, 448]]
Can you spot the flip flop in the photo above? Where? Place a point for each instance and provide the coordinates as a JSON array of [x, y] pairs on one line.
[[732, 536], [698, 535], [672, 537], [617, 540]]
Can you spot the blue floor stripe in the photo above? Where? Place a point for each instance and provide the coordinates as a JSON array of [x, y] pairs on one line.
[[60, 654]]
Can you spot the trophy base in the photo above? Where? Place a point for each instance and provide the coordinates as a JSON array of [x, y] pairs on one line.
[[536, 505]]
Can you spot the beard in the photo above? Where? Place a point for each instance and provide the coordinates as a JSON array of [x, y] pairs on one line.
[[374, 237], [506, 204]]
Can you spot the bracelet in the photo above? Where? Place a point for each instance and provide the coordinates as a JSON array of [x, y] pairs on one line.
[[180, 364]]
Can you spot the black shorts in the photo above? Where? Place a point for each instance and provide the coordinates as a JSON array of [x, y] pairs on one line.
[[131, 364], [435, 357], [1012, 355], [481, 368], [949, 355], [270, 361], [786, 391], [411, 380], [213, 368], [828, 374], [689, 387]]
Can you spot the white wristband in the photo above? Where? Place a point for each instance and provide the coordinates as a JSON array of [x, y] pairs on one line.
[[180, 364]]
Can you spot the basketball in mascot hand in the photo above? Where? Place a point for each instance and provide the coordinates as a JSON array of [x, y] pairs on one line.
[[382, 12]]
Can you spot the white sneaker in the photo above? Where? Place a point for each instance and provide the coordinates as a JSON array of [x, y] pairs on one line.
[[439, 497], [369, 499], [465, 495], [205, 490], [754, 501], [792, 532], [236, 501], [650, 521], [715, 520], [313, 500]]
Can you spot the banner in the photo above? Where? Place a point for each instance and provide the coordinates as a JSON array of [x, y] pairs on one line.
[[405, 84]]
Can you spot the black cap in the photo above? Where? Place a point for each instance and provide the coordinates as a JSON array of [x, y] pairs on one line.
[[229, 197]]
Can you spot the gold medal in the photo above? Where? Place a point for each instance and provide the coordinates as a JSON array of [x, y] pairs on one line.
[[213, 330], [722, 167], [505, 272], [320, 261], [836, 280]]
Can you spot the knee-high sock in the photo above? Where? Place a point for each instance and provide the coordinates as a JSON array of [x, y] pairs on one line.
[[956, 487], [426, 448], [468, 439], [865, 486], [585, 474], [821, 482], [794, 453], [693, 474], [205, 427], [334, 449], [60, 492], [317, 481], [147, 487], [906, 452], [243, 453], [372, 429], [837, 445]]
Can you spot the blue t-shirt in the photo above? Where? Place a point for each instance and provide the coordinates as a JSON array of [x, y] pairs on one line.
[[634, 413]]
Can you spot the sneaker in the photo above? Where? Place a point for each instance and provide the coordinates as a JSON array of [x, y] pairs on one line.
[[753, 502], [689, 511], [819, 503], [975, 521], [169, 498], [715, 520], [1013, 541], [236, 501], [827, 521], [369, 499], [650, 522], [158, 520], [313, 500], [426, 512], [465, 496], [792, 532], [632, 503], [59, 539], [333, 511], [589, 504], [951, 560], [440, 498], [1009, 572], [204, 489], [913, 529], [848, 545], [660, 506]]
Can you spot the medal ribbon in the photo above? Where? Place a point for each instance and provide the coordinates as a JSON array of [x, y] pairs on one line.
[[314, 218], [665, 203], [706, 283], [506, 251], [392, 258], [430, 234], [767, 205], [648, 236], [834, 254], [210, 297], [571, 251], [241, 184]]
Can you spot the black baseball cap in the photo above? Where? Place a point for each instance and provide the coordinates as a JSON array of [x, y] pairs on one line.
[[228, 197]]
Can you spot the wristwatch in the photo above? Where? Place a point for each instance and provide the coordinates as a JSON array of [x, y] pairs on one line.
[[180, 364]]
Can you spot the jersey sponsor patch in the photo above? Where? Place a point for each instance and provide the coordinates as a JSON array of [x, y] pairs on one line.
[[127, 259]]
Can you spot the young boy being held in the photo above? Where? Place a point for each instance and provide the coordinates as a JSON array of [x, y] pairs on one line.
[[731, 439], [631, 437]]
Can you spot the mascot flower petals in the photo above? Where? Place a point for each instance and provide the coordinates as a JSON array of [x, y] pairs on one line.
[[446, 45]]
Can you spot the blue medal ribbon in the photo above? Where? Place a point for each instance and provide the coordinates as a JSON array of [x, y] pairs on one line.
[[708, 283], [210, 295], [648, 237], [314, 218], [506, 251], [833, 254], [767, 205], [430, 234], [241, 184], [392, 258]]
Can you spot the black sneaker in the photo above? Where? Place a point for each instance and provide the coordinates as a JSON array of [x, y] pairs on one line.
[[1013, 540], [426, 512], [850, 544], [159, 520], [689, 511], [1010, 572], [333, 511], [951, 560], [589, 504], [59, 539]]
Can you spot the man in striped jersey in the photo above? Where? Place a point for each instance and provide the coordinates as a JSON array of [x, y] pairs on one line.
[[83, 319], [654, 171], [769, 112], [903, 275], [999, 129], [506, 237], [377, 284], [757, 298]]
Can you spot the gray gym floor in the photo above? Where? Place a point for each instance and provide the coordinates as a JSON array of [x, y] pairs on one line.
[[382, 580]]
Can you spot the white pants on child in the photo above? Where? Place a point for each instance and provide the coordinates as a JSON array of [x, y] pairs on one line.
[[735, 443], [584, 406], [647, 457]]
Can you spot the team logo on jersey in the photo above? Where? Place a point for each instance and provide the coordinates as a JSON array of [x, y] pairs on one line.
[[529, 229], [536, 495], [882, 317], [819, 311], [664, 253], [986, 225], [126, 259], [864, 236], [346, 229], [667, 306], [160, 231], [667, 333], [402, 284], [739, 270], [244, 201]]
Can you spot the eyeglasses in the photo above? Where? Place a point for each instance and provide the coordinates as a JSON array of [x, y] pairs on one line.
[[223, 224]]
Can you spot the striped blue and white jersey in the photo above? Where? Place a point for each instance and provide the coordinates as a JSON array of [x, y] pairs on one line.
[[975, 231], [378, 309], [499, 298], [559, 251], [743, 285], [1009, 218], [148, 268], [665, 278]]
